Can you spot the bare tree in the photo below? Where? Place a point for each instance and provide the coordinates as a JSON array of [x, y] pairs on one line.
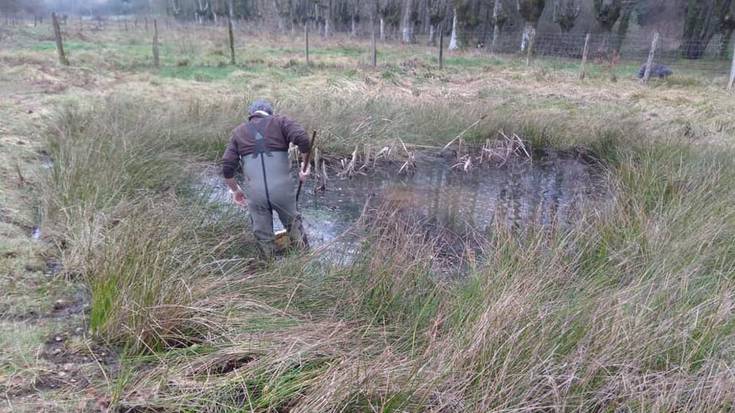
[[437, 11], [566, 13], [453, 41], [607, 13], [530, 11], [407, 22], [727, 27], [499, 19], [703, 19], [627, 12]]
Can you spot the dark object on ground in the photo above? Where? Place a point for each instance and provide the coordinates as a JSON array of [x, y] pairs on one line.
[[657, 70]]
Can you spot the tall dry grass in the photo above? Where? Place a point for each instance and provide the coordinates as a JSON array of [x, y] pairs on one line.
[[630, 310]]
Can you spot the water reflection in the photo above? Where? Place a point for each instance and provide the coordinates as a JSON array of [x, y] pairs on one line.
[[549, 191]]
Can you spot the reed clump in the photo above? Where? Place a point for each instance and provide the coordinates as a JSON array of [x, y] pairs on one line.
[[630, 309]]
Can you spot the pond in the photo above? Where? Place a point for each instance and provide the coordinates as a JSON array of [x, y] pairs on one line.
[[552, 189]]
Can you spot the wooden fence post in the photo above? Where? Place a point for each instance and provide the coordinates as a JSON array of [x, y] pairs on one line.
[[732, 71], [232, 39], [59, 42], [306, 37], [649, 62], [372, 40], [441, 46], [585, 52], [156, 57]]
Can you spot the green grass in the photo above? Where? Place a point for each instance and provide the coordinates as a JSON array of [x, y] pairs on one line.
[[632, 293], [627, 309], [200, 74]]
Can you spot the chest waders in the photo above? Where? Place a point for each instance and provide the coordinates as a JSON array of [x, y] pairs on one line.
[[269, 187]]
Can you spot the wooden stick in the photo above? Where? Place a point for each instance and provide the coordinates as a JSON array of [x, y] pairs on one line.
[[585, 52], [651, 54]]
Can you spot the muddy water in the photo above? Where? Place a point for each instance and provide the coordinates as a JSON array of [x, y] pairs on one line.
[[551, 190]]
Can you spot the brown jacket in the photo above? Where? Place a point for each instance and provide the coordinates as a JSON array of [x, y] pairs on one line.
[[278, 132]]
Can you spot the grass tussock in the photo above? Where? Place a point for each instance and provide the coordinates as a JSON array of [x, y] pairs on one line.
[[627, 310]]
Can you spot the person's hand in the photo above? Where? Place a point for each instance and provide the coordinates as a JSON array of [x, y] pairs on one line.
[[304, 174], [238, 197]]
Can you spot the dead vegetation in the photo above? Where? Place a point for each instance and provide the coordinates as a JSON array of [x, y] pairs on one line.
[[628, 310]]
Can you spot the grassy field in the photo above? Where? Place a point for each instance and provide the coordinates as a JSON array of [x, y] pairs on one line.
[[140, 295]]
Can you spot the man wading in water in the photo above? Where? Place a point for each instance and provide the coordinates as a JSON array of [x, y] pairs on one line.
[[261, 146]]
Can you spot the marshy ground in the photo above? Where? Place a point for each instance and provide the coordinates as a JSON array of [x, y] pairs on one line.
[[125, 287]]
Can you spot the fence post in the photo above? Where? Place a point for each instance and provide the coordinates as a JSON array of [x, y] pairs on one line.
[[441, 46], [732, 71], [306, 37], [585, 52], [372, 40], [156, 59], [59, 42], [232, 39], [649, 62]]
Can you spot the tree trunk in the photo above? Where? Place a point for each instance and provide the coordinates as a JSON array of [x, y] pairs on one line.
[[699, 28], [623, 28], [382, 29], [353, 32], [529, 31], [497, 11], [725, 43], [407, 24], [431, 34], [453, 39], [328, 19], [732, 72]]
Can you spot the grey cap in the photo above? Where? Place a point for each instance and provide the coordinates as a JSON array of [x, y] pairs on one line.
[[262, 105]]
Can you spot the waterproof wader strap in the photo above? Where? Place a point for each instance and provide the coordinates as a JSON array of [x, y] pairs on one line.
[[260, 147]]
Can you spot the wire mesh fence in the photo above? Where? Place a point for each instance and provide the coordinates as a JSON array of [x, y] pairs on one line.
[[624, 54]]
